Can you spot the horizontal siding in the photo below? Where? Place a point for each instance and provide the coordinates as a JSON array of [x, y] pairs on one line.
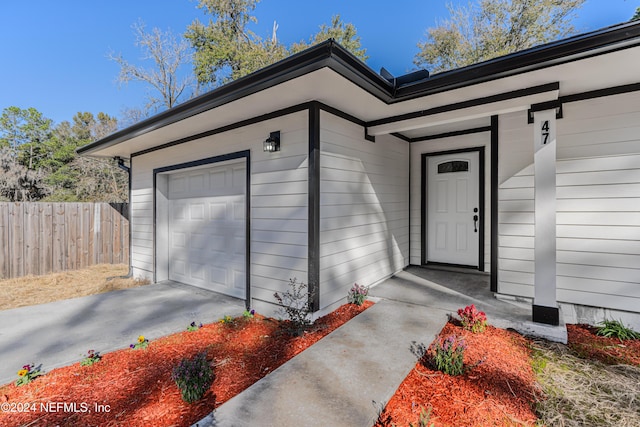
[[364, 208], [598, 205], [279, 199], [481, 139]]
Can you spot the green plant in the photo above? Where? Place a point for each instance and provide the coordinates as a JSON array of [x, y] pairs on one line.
[[448, 355], [424, 419], [193, 326], [472, 319], [193, 377], [296, 306], [357, 294], [142, 343], [91, 358], [248, 314], [27, 374], [227, 320], [616, 329]]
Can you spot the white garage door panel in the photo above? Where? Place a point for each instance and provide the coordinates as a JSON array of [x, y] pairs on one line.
[[207, 241]]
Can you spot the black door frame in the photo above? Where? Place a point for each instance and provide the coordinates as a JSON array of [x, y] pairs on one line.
[[481, 202]]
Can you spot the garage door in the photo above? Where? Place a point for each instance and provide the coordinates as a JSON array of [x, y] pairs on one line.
[[207, 246]]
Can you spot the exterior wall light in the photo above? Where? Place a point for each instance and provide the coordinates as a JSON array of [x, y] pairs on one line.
[[272, 143]]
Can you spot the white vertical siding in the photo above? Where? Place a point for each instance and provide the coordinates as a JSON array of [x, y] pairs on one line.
[[278, 200], [598, 207], [480, 139], [364, 208]]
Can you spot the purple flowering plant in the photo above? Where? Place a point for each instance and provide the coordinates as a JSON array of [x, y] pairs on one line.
[[193, 377], [357, 294], [91, 358], [447, 355], [193, 326]]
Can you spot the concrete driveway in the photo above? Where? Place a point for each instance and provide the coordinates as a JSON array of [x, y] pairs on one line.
[[61, 332]]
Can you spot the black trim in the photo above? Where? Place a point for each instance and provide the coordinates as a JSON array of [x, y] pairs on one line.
[[313, 270], [423, 210], [447, 264], [275, 114], [246, 154], [401, 136], [494, 203], [254, 120], [615, 90], [482, 209], [481, 203], [247, 230], [563, 51], [445, 134], [331, 55], [129, 213], [338, 113], [470, 103], [543, 106], [546, 315]]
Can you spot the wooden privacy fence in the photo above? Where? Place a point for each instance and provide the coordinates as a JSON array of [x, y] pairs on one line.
[[40, 238]]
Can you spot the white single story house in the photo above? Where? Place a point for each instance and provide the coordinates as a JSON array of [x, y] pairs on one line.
[[525, 166]]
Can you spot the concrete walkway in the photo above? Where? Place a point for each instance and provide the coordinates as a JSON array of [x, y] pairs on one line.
[[61, 332], [344, 379], [348, 376]]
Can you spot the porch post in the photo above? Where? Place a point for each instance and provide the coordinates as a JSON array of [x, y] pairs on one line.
[[545, 308]]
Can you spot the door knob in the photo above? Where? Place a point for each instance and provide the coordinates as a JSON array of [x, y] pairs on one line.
[[475, 223]]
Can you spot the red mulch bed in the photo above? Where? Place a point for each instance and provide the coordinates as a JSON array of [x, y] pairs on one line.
[[584, 341], [137, 386], [498, 390]]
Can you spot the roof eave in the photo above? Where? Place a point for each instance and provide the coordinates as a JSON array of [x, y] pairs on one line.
[[543, 56], [325, 54], [332, 55]]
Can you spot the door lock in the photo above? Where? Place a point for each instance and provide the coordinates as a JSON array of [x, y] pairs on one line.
[[475, 223]]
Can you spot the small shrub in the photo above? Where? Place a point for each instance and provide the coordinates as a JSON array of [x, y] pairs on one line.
[[27, 374], [227, 320], [448, 355], [141, 344], [296, 306], [194, 327], [193, 377], [472, 319], [424, 419], [616, 329], [91, 358], [357, 294]]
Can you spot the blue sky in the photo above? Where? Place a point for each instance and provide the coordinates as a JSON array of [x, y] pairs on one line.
[[54, 53]]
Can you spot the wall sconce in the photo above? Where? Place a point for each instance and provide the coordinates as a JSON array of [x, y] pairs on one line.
[[272, 143]]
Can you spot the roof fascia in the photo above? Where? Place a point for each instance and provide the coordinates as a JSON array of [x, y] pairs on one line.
[[332, 55], [543, 56], [326, 54]]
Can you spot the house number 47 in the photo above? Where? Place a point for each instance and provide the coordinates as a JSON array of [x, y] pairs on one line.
[[545, 132]]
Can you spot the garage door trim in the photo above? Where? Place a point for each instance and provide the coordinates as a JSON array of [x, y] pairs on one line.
[[245, 154]]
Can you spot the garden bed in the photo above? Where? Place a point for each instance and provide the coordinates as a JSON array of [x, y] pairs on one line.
[[507, 384], [498, 387], [134, 387]]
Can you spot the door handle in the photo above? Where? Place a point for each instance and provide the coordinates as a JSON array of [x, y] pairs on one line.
[[475, 223]]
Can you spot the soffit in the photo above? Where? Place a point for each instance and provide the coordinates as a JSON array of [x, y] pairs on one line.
[[331, 88]]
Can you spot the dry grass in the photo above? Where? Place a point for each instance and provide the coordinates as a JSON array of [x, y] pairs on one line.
[[581, 392], [32, 290]]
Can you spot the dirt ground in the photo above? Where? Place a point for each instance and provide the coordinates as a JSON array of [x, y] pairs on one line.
[[32, 290]]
